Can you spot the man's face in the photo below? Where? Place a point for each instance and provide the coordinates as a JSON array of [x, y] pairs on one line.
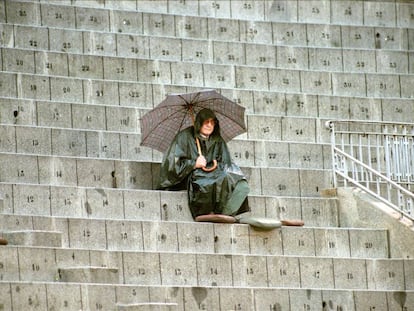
[[208, 127]]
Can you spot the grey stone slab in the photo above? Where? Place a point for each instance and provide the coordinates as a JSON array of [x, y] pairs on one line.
[[316, 272], [358, 37], [68, 202], [242, 152], [336, 299], [236, 298], [347, 12], [265, 242], [66, 257], [92, 19], [61, 296], [360, 61], [332, 242], [6, 195], [100, 92], [376, 300], [283, 271], [214, 270], [97, 173], [316, 82], [314, 12], [8, 82], [320, 213], [160, 236], [249, 271], [383, 86], [154, 71], [313, 181], [174, 206], [349, 84], [135, 95], [132, 294], [272, 299], [408, 268], [158, 24], [110, 260], [124, 21], [281, 80], [386, 274], [281, 11], [28, 296], [324, 35], [391, 38], [187, 74], [217, 10], [165, 48], [289, 34], [65, 40], [335, 107], [134, 175], [298, 129], [33, 87], [206, 298], [8, 139], [195, 237], [269, 103], [31, 38], [59, 16], [66, 90], [33, 140], [250, 10], [397, 109], [150, 6], [280, 182], [178, 269], [123, 69], [260, 55], [229, 53], [88, 117], [306, 156], [6, 35], [223, 29], [298, 241], [31, 199], [399, 300], [256, 31], [368, 243], [37, 238], [85, 66], [124, 235], [49, 63], [68, 142], [9, 270], [379, 14], [199, 51], [98, 297], [190, 26], [404, 11], [219, 76], [233, 239], [104, 203], [87, 234], [406, 82], [283, 208], [16, 60], [57, 171], [132, 46], [170, 295], [292, 57], [103, 145], [262, 127], [19, 169], [5, 291], [307, 299], [131, 149], [325, 59], [13, 222], [23, 13], [37, 264], [244, 98], [392, 62], [365, 108]]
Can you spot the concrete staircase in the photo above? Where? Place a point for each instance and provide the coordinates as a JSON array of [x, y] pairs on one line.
[[87, 230]]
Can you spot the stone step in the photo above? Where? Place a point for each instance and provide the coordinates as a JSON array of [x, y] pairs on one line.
[[89, 274], [150, 306], [34, 238]]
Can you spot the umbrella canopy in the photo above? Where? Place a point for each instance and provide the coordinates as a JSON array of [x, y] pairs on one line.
[[176, 112]]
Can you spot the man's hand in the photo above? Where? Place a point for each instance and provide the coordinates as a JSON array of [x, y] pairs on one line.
[[200, 162]]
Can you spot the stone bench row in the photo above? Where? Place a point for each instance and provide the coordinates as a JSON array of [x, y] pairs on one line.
[[370, 15], [54, 58], [100, 173], [195, 75], [74, 297], [202, 238], [104, 203], [281, 151], [29, 264], [57, 112]]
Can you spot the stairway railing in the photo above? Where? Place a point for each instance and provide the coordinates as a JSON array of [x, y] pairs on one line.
[[377, 157]]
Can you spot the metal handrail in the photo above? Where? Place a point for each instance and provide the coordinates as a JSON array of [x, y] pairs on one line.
[[378, 159]]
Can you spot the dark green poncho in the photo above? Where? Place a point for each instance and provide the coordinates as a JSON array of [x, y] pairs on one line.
[[208, 192]]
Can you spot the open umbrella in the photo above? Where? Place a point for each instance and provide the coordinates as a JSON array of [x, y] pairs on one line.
[[176, 112]]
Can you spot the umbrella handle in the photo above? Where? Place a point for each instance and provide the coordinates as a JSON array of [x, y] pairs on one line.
[[206, 169]]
